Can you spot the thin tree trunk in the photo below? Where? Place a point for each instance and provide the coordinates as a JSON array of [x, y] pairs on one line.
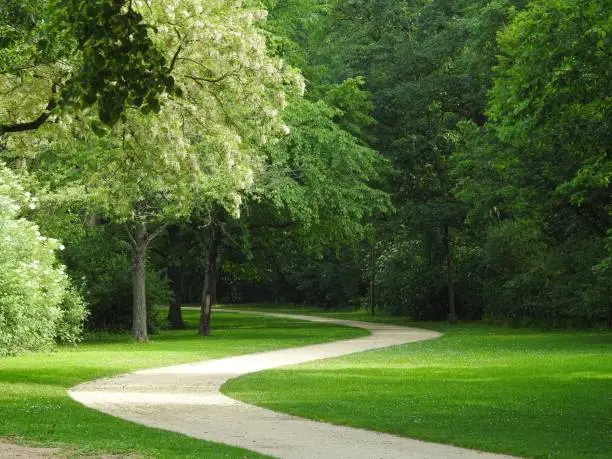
[[427, 247], [452, 315], [373, 276], [209, 290], [175, 314], [91, 220], [139, 314], [277, 283], [175, 275]]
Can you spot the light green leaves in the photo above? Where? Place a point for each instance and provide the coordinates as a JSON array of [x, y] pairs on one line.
[[38, 306]]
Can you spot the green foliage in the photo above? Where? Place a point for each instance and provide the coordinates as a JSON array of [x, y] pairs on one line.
[[70, 54], [38, 306], [120, 65], [407, 285], [548, 170], [187, 99], [354, 104], [514, 256], [98, 53], [487, 122], [103, 260], [496, 118], [427, 67], [24, 40], [323, 176], [551, 100]]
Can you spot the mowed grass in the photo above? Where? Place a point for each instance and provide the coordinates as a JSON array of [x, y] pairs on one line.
[[529, 393], [35, 409]]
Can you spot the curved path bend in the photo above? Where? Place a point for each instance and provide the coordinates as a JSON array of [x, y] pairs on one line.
[[187, 399]]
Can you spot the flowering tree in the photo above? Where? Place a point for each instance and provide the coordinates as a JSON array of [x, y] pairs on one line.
[[198, 140]]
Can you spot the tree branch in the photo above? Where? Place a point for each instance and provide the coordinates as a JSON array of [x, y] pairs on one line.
[[268, 225], [213, 80], [129, 233], [35, 124], [157, 232], [175, 58]]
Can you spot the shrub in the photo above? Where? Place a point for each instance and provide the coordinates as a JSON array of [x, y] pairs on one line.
[[38, 306], [531, 282]]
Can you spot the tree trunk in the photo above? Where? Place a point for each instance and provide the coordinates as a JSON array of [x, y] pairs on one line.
[[428, 247], [205, 313], [91, 220], [175, 276], [139, 314], [373, 276], [209, 289], [452, 315], [175, 314]]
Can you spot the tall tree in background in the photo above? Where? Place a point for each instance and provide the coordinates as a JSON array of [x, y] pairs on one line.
[[427, 65], [551, 110], [318, 185], [316, 188], [551, 103]]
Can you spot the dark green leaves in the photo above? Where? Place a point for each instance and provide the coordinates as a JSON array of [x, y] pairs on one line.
[[121, 66]]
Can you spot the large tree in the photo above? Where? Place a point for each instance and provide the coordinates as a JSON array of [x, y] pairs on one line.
[[551, 102], [199, 141]]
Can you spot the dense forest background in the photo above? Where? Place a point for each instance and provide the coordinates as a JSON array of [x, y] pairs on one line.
[[494, 117], [449, 159]]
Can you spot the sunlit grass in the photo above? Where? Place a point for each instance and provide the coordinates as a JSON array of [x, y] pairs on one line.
[[35, 408], [525, 392]]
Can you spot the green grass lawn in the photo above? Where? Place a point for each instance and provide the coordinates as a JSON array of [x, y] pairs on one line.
[[525, 392], [35, 409]]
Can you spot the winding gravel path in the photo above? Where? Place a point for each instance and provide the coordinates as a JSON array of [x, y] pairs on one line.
[[186, 399]]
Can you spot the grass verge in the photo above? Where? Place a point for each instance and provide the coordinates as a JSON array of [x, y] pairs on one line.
[[524, 392], [35, 409]]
